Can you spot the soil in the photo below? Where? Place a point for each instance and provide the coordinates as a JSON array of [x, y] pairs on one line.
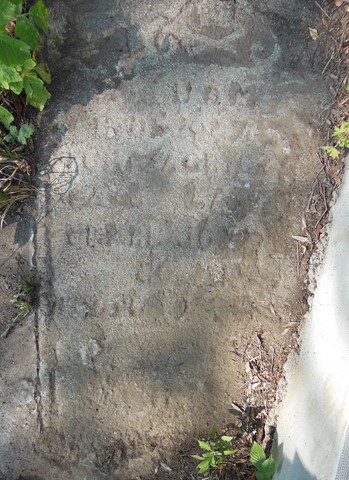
[[176, 158], [10, 276]]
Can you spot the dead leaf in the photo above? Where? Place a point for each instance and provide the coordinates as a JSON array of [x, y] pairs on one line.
[[304, 222], [343, 101], [237, 407], [300, 238], [10, 27], [313, 34]]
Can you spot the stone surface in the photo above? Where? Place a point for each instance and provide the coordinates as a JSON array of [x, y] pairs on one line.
[[313, 425], [18, 353], [18, 406], [177, 155]]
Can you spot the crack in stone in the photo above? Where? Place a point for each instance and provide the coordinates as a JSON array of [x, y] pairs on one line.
[[47, 305], [37, 382], [37, 386], [50, 296]]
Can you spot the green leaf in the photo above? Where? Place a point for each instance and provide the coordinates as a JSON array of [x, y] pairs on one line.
[[332, 151], [8, 10], [12, 135], [10, 79], [343, 142], [208, 454], [39, 14], [267, 470], [225, 438], [13, 52], [43, 71], [204, 445], [257, 455], [25, 307], [8, 75], [342, 130], [198, 457], [213, 433], [28, 65], [229, 452], [26, 32], [37, 95], [204, 466], [25, 132], [17, 87], [6, 117]]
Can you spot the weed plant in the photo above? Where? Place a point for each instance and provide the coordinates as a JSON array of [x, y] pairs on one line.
[[22, 80]]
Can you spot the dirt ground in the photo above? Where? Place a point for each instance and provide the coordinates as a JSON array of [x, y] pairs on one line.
[[175, 160], [9, 277]]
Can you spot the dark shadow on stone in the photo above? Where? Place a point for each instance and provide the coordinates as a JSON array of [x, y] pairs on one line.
[[290, 470], [55, 177], [87, 68], [24, 229]]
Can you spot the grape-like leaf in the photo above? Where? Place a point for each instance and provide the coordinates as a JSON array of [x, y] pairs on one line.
[[25, 132], [28, 65], [26, 32], [12, 135], [17, 87], [13, 52], [39, 14], [8, 75], [37, 95], [9, 9], [6, 117], [43, 71]]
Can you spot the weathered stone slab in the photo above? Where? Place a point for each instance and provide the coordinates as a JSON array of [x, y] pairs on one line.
[[180, 149]]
